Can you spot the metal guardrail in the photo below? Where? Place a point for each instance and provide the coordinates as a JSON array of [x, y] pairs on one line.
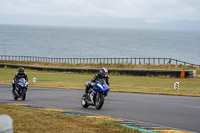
[[152, 61]]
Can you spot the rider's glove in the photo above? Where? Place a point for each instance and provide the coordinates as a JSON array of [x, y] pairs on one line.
[[92, 84]]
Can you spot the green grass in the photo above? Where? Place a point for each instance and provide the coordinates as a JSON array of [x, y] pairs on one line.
[[35, 120], [118, 83]]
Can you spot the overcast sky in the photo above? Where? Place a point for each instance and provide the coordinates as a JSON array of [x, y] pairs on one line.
[[103, 13]]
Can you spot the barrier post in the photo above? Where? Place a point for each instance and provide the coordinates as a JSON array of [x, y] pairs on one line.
[[183, 74]]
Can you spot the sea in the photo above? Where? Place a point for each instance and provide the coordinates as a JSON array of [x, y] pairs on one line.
[[81, 42]]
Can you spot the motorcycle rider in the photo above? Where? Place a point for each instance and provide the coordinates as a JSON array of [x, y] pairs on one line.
[[103, 74], [18, 75]]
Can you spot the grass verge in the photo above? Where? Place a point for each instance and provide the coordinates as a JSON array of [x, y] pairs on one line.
[[121, 66], [34, 120], [118, 83]]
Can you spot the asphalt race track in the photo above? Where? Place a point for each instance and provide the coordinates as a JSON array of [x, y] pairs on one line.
[[171, 111]]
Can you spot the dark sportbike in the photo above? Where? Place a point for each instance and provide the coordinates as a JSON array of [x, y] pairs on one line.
[[20, 89], [95, 95]]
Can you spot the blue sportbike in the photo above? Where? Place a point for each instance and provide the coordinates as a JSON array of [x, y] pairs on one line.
[[20, 89], [95, 95]]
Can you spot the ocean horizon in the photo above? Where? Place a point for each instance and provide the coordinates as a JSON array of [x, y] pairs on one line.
[[89, 42]]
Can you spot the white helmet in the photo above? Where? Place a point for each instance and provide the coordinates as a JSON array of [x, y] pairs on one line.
[[103, 71]]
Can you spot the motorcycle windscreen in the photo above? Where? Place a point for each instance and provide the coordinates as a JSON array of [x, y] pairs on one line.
[[22, 80]]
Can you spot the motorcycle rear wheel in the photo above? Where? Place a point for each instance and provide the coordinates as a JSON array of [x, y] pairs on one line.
[[84, 102], [15, 97]]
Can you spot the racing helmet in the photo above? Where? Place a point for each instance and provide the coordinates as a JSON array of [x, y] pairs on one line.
[[104, 71], [21, 70]]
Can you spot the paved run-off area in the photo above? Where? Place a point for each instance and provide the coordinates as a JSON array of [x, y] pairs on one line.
[[135, 110]]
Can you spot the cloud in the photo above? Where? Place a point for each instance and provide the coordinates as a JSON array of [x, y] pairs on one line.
[[151, 11]]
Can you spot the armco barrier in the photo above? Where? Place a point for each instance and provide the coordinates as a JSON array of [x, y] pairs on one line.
[[171, 73], [139, 61]]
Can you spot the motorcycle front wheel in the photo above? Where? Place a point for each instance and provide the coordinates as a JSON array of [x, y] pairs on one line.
[[99, 100], [23, 94]]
